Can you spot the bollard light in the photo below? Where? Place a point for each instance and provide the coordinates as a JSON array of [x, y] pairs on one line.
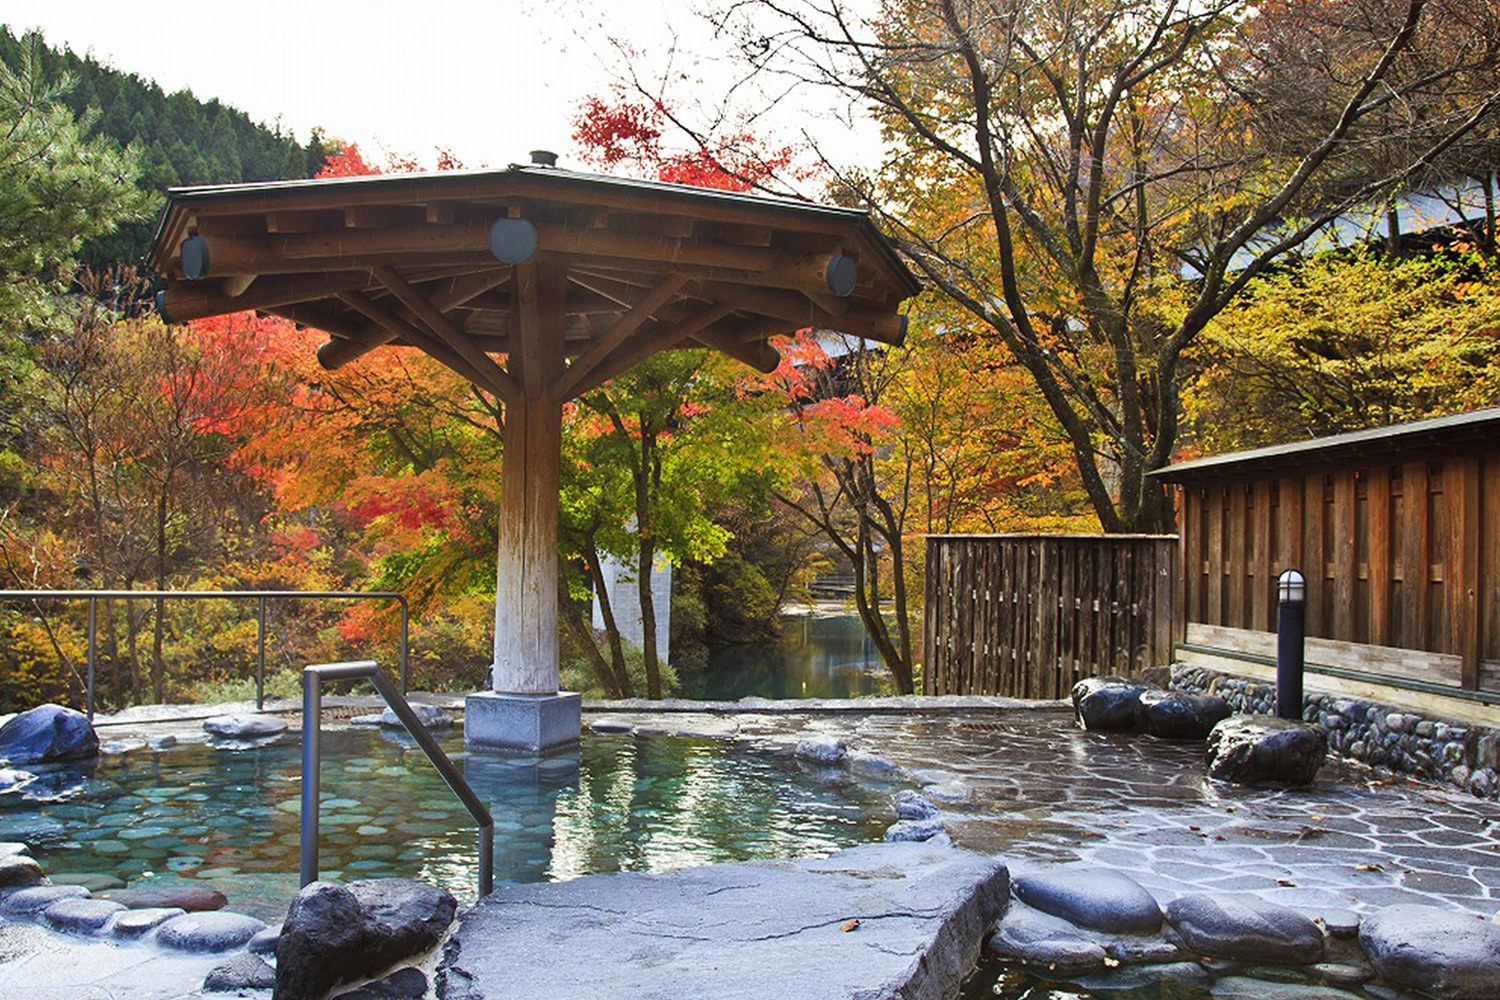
[[1291, 587]]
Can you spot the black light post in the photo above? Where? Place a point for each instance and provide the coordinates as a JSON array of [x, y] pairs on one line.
[[1291, 589]]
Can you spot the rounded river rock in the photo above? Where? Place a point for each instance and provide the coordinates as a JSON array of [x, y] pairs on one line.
[[203, 932], [80, 915], [1102, 900], [1451, 955], [1242, 926]]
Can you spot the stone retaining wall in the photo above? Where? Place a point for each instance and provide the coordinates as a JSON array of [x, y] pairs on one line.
[[1372, 732]]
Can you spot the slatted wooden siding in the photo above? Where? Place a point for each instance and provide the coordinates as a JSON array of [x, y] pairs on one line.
[[1027, 616], [1405, 556]]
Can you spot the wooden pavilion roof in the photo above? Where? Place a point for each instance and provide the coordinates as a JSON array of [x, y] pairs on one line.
[[460, 264]]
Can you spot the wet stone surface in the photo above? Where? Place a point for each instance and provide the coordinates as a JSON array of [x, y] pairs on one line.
[[1039, 789]]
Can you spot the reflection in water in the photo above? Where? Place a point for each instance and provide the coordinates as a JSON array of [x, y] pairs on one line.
[[817, 656], [197, 814]]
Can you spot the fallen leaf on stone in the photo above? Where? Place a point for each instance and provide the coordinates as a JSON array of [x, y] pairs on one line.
[[1368, 866], [1286, 882], [1317, 818], [848, 925], [1195, 827], [1111, 963]]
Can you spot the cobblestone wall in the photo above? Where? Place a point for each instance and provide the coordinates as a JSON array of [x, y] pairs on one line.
[[1372, 732]]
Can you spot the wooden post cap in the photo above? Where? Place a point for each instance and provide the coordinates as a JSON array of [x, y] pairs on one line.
[[512, 240], [194, 254], [841, 274]]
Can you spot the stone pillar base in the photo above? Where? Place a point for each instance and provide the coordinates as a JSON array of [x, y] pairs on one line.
[[523, 721]]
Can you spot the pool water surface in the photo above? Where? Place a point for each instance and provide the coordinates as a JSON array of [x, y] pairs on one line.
[[202, 815]]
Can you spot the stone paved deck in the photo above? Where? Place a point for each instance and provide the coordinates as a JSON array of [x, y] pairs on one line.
[[1042, 790], [1030, 787]]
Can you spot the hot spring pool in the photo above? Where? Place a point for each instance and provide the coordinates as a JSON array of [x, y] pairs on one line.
[[201, 815]]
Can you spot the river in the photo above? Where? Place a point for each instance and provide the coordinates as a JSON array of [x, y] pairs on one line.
[[819, 655]]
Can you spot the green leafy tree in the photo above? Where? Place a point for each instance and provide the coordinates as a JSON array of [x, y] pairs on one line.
[[1339, 343], [58, 189], [652, 454]]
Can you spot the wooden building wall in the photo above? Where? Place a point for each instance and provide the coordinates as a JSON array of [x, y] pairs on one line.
[[1402, 564], [1027, 616]]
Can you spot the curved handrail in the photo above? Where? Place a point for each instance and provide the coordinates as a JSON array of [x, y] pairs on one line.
[[312, 758]]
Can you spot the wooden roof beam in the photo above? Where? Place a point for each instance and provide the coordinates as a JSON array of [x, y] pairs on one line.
[[180, 302], [617, 334], [639, 348], [398, 328], [448, 333], [756, 353]]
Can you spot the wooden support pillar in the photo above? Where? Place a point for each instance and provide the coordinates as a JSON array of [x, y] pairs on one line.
[[526, 657], [526, 654]]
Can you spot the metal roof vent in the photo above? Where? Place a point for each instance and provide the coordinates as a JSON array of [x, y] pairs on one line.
[[543, 158]]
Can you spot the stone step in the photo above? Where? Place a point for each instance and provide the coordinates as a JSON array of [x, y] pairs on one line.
[[876, 920]]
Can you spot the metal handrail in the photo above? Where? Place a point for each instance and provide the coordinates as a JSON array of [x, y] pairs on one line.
[[312, 759], [260, 596]]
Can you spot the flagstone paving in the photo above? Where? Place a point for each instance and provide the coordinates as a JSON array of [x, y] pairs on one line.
[[1041, 790], [1031, 787]]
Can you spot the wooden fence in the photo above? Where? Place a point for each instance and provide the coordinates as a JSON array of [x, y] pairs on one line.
[[1399, 572], [1027, 616]]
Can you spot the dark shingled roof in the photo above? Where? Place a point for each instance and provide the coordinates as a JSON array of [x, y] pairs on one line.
[[1422, 437]]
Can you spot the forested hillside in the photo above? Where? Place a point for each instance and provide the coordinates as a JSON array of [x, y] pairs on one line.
[[178, 138]]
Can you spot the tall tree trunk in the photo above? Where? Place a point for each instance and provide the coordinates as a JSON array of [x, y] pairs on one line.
[[646, 538], [158, 668], [607, 612], [583, 636]]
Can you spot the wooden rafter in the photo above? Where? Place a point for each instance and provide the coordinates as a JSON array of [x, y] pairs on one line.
[[626, 325], [644, 345], [450, 335]]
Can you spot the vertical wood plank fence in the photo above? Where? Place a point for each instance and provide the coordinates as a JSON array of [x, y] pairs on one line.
[[1027, 616], [1396, 554]]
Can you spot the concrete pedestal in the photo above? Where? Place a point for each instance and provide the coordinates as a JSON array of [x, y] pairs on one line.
[[523, 721]]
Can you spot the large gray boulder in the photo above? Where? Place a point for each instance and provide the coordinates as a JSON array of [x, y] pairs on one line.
[[1099, 899], [339, 933], [47, 733], [1242, 926], [1173, 715], [1265, 750], [1107, 703], [1438, 952]]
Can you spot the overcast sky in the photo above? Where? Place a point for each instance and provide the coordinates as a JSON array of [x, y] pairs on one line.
[[488, 80]]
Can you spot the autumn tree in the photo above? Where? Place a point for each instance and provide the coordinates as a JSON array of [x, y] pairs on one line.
[[1094, 183], [1342, 342]]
